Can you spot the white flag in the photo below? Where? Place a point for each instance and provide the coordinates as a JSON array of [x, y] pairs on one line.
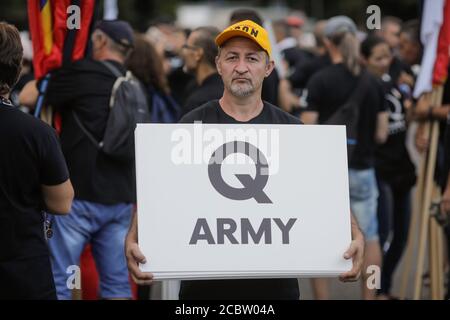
[[111, 11], [432, 18]]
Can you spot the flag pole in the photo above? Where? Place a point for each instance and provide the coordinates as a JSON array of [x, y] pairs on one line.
[[413, 227], [436, 99]]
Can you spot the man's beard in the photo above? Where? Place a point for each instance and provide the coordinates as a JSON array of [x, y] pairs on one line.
[[242, 90]]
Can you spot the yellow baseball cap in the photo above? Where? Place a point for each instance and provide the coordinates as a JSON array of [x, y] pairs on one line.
[[248, 29]]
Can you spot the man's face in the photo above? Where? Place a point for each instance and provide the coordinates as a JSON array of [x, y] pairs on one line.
[[191, 54], [243, 66], [409, 51], [391, 33]]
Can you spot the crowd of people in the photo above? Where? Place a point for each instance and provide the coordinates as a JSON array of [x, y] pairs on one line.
[[185, 78]]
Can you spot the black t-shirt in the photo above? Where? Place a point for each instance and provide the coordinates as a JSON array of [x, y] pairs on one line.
[[270, 86], [331, 88], [285, 289], [392, 161], [304, 70], [296, 55], [85, 87], [210, 89], [30, 157], [179, 82], [397, 67]]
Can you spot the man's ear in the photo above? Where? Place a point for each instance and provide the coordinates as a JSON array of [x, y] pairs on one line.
[[269, 68], [219, 70], [102, 41]]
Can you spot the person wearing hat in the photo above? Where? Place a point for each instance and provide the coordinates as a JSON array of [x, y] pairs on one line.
[[328, 90], [244, 61], [104, 187], [271, 85]]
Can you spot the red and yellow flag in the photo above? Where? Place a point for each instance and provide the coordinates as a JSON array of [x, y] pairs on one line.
[[48, 28], [443, 49]]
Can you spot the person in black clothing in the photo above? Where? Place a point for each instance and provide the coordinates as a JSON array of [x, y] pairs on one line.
[[330, 89], [304, 70], [394, 168], [445, 200], [33, 179], [288, 45], [104, 186], [199, 53], [243, 62]]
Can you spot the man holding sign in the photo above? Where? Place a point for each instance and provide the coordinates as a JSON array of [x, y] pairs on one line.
[[244, 61]]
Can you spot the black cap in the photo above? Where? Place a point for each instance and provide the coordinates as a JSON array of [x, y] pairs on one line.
[[118, 30]]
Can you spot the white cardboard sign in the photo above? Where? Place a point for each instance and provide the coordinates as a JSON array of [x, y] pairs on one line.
[[292, 216]]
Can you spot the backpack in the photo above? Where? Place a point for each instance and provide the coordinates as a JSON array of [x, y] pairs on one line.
[[164, 108], [128, 106], [348, 113]]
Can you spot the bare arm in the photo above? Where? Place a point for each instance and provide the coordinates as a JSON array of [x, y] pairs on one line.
[[440, 113], [135, 256], [310, 117], [354, 252], [424, 109], [287, 99], [29, 94], [382, 128], [58, 198]]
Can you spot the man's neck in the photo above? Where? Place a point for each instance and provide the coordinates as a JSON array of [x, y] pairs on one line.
[[111, 56], [242, 109], [203, 72]]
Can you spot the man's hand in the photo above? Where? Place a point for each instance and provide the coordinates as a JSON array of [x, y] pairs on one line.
[[406, 78], [356, 253], [421, 140], [423, 106], [135, 256]]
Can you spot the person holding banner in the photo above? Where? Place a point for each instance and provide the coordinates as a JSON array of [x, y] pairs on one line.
[[243, 62], [33, 178]]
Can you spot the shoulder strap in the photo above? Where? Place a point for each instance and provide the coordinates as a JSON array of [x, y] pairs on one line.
[[89, 135], [114, 70]]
